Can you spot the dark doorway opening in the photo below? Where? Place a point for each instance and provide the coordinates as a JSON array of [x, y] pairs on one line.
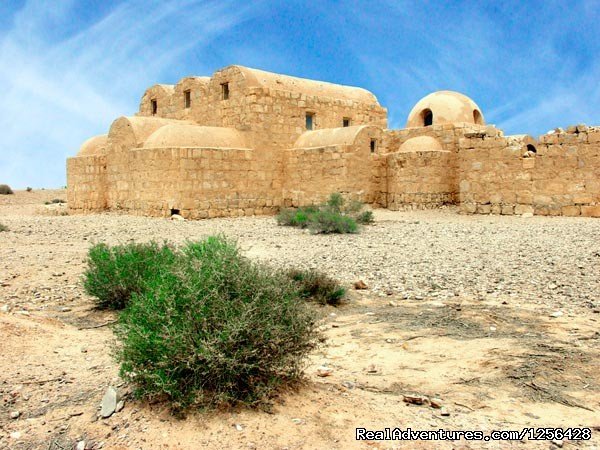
[[427, 117], [174, 211], [373, 145]]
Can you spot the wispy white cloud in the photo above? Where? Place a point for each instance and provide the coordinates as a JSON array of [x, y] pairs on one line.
[[67, 68], [521, 61], [60, 89]]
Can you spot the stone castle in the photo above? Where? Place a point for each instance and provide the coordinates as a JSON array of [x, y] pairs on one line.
[[246, 142]]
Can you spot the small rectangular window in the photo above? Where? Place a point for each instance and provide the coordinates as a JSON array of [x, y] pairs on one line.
[[225, 91], [187, 98], [310, 121], [154, 104], [373, 145], [346, 122]]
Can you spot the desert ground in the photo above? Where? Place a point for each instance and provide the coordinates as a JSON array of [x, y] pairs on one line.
[[497, 316]]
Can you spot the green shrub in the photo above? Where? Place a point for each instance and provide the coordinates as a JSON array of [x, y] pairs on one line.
[[317, 287], [5, 189], [335, 216], [115, 274], [3, 227], [29, 189], [300, 217], [216, 328], [331, 222], [365, 217]]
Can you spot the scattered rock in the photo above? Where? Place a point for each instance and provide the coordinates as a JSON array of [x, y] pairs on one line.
[[444, 412], [348, 384], [15, 435], [239, 427], [177, 217], [15, 414], [297, 421], [416, 399], [80, 445], [556, 314], [393, 303], [109, 402], [360, 285], [435, 402], [372, 369], [324, 371], [120, 406], [558, 442]]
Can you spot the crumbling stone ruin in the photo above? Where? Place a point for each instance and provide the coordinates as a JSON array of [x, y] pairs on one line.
[[246, 142]]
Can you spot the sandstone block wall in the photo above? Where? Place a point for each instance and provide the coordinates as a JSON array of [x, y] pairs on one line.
[[498, 175], [312, 174], [419, 180], [426, 178], [196, 182], [86, 178], [345, 160], [273, 110], [447, 134]]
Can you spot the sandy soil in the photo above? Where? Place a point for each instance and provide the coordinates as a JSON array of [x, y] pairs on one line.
[[458, 307]]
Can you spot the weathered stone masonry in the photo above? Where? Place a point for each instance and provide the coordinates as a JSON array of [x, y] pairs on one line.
[[246, 142]]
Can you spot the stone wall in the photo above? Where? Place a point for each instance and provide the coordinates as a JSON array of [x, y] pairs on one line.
[[312, 174], [562, 177], [447, 134], [420, 179], [427, 177], [86, 179], [197, 182], [275, 116], [334, 160]]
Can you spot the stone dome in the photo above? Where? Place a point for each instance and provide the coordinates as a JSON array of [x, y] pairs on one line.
[[332, 136], [444, 107], [94, 146], [187, 135], [420, 144]]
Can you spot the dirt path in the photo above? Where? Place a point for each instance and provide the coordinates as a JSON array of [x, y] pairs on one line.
[[497, 360]]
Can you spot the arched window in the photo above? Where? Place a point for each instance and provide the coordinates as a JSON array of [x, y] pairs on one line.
[[427, 116], [477, 117], [531, 148]]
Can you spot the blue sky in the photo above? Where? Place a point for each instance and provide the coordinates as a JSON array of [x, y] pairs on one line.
[[68, 68]]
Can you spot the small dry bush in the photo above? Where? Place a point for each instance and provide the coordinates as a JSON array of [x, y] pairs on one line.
[[335, 216], [5, 189], [115, 274], [203, 326], [317, 287]]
